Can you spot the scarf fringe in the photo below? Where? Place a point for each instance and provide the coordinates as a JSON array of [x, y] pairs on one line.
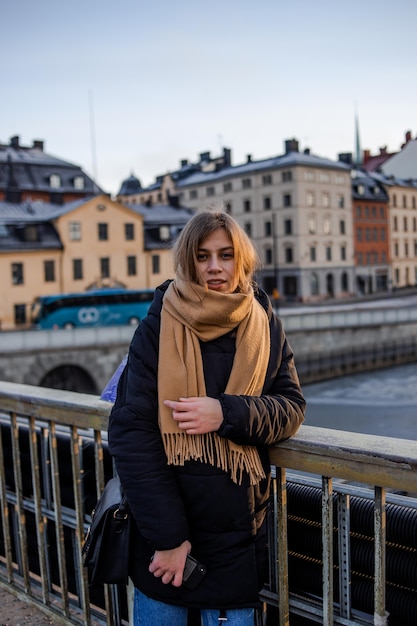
[[212, 449]]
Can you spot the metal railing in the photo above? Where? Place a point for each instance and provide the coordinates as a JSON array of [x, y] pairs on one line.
[[54, 463]]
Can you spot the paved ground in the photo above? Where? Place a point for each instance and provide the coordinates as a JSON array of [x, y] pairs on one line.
[[15, 612]]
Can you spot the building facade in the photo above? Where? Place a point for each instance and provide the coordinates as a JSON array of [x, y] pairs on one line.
[[47, 249], [371, 230], [297, 209], [28, 173]]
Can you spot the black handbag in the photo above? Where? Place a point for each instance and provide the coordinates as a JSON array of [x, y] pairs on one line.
[[106, 545]]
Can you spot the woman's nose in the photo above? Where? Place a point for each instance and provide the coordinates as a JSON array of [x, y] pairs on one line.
[[214, 263]]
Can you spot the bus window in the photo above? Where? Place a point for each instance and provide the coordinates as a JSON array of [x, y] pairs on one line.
[[93, 308]]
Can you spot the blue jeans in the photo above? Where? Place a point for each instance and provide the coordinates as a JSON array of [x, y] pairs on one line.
[[148, 612]]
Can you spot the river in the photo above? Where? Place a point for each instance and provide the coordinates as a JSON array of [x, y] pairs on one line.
[[381, 402]]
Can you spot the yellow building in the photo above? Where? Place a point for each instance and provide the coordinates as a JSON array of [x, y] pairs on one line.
[[47, 249]]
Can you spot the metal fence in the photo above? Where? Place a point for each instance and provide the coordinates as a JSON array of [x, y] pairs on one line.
[[54, 464]]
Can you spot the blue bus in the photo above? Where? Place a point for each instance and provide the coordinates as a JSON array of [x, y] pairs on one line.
[[100, 307]]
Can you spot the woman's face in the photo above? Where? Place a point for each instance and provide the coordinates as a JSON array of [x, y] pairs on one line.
[[216, 262]]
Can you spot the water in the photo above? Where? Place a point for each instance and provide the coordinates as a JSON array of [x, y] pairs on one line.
[[382, 402]]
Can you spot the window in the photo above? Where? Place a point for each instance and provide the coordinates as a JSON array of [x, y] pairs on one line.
[[78, 182], [156, 264], [328, 253], [374, 211], [164, 233], [341, 201], [267, 203], [394, 200], [359, 234], [287, 199], [268, 229], [105, 267], [395, 225], [210, 191], [368, 234], [288, 227], [396, 249], [405, 224], [382, 234], [310, 198], [55, 181], [74, 231], [268, 256], [103, 231], [131, 266], [32, 233], [325, 200], [129, 232], [17, 274], [405, 248], [309, 175], [77, 269], [314, 284], [289, 257], [286, 176], [327, 226], [381, 212], [342, 227], [404, 202], [248, 228], [193, 194], [358, 211], [374, 234], [267, 179], [227, 187], [339, 179], [49, 271], [19, 314], [246, 183], [413, 202], [343, 253], [324, 177], [229, 207], [313, 254], [312, 224], [360, 258], [247, 206], [414, 224]]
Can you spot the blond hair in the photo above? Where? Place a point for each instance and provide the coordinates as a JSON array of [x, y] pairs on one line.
[[197, 229]]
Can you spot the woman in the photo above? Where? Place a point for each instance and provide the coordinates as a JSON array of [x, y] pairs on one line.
[[209, 384]]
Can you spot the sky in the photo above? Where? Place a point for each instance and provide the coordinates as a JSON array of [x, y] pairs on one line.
[[135, 87]]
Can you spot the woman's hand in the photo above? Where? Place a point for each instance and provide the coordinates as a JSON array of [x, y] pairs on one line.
[[169, 564], [196, 416]]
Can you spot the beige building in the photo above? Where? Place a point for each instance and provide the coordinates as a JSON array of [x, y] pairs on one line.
[[403, 227], [297, 209], [47, 249]]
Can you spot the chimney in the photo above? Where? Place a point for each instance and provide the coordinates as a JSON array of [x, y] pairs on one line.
[[383, 150], [14, 141], [345, 157], [249, 158], [227, 157], [204, 156], [38, 144], [306, 150], [291, 145], [184, 162]]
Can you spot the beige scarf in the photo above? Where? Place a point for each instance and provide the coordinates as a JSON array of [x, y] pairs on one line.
[[191, 313]]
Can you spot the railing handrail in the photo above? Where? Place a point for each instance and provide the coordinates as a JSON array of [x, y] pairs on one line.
[[384, 463], [390, 462]]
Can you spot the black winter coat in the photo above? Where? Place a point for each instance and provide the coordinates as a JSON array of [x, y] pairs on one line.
[[224, 522]]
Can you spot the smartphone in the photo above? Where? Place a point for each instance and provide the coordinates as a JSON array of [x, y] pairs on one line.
[[194, 573]]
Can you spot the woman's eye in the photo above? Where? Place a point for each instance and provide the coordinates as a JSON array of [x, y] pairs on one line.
[[201, 257]]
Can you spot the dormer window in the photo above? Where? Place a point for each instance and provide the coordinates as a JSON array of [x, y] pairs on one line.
[[164, 233], [55, 181], [79, 182]]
